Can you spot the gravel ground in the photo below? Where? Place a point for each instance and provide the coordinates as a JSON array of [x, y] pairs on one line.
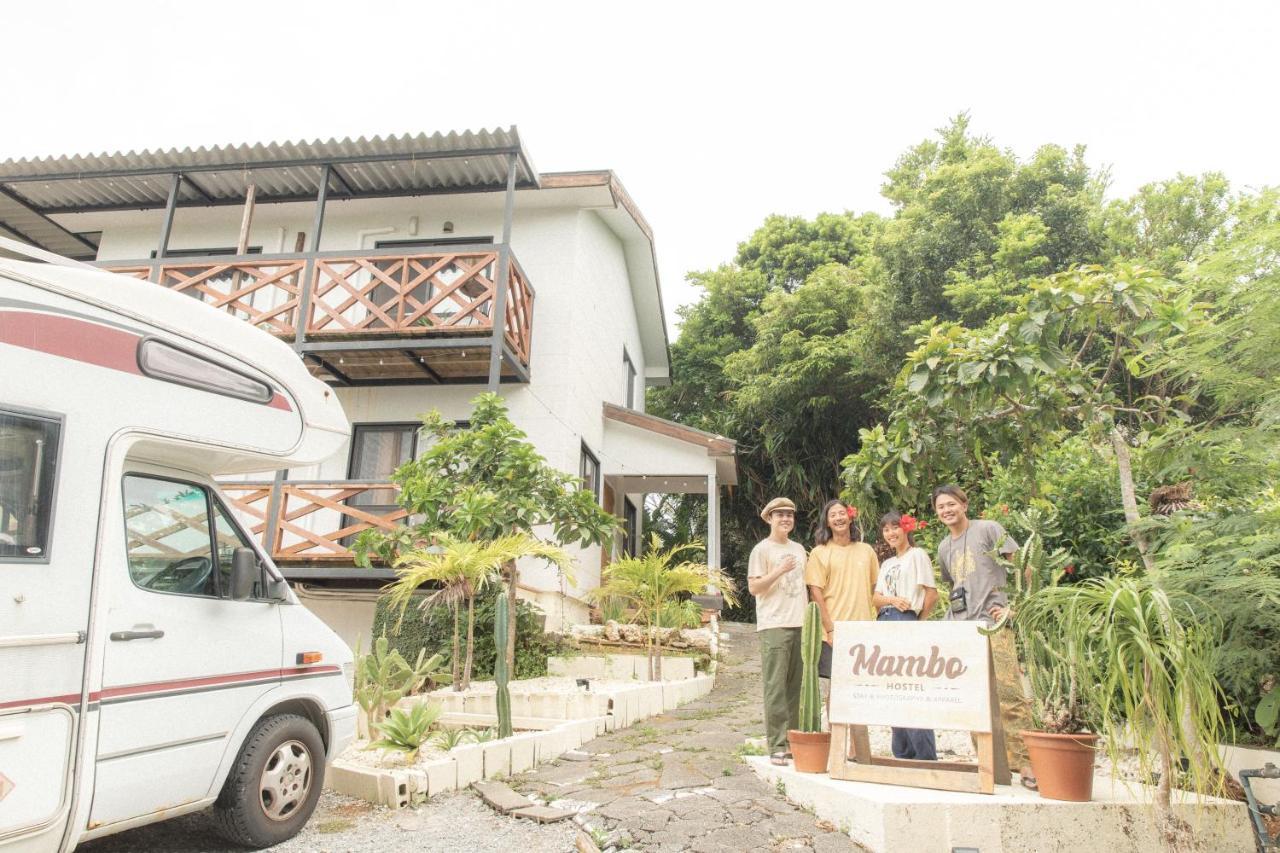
[[341, 824]]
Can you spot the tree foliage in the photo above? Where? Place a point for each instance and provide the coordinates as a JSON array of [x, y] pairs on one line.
[[1011, 328]]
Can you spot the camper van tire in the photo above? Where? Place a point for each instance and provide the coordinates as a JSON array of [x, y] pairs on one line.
[[274, 784]]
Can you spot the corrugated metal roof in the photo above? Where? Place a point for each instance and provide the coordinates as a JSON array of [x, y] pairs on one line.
[[373, 166]]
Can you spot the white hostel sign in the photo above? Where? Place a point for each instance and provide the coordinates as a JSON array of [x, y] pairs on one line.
[[918, 675]]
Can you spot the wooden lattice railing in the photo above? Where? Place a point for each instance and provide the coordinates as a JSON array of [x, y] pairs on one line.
[[348, 295], [314, 520]]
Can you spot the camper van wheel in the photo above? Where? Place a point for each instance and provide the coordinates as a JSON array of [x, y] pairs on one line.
[[274, 784]]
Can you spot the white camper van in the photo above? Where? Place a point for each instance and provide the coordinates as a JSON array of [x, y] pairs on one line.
[[153, 661]]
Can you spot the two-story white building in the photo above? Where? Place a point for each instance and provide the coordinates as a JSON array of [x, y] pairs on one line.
[[410, 273]]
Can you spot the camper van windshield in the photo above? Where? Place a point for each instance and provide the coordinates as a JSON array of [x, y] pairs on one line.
[[28, 457]]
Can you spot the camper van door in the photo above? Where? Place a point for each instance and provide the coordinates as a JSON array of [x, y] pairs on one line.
[[183, 660]]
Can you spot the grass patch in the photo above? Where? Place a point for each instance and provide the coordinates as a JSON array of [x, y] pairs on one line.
[[328, 827], [747, 748]]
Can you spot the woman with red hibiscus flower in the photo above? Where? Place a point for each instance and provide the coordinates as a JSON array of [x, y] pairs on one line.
[[906, 591], [841, 574]]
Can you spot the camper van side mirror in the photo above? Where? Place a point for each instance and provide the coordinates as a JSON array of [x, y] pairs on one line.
[[277, 590], [244, 573]]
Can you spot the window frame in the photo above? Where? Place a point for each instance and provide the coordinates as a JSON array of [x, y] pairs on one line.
[[631, 523], [356, 429], [211, 499], [630, 381], [583, 456], [176, 379], [60, 421]]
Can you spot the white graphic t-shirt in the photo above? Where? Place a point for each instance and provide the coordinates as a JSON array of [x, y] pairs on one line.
[[906, 577], [781, 605]]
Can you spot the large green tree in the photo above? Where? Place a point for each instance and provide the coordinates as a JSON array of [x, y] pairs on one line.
[[482, 482]]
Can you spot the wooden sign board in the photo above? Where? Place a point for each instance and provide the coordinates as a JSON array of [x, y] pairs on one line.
[[923, 675]]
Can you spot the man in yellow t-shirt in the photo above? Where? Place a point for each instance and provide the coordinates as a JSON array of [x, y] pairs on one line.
[[841, 574]]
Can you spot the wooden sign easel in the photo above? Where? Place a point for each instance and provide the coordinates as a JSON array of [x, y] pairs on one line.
[[991, 769]]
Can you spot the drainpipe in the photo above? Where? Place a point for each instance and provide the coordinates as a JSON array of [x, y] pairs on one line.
[[1266, 842]]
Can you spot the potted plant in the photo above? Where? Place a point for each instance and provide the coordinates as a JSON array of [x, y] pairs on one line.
[[1061, 747], [1144, 659], [810, 746]]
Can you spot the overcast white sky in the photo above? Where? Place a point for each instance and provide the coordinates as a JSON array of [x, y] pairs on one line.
[[713, 114]]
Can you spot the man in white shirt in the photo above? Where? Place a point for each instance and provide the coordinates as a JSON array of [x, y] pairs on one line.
[[775, 576]]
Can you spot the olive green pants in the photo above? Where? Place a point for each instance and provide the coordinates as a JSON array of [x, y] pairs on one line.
[[1015, 707], [780, 671]]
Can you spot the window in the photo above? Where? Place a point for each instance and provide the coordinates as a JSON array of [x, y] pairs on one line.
[[377, 450], [589, 470], [162, 361], [631, 528], [179, 540], [28, 469], [629, 398]]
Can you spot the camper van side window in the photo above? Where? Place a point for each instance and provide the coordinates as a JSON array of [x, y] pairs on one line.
[[28, 463], [167, 535]]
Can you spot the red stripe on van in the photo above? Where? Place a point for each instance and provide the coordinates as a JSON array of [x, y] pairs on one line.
[[79, 340], [177, 684], [71, 338]]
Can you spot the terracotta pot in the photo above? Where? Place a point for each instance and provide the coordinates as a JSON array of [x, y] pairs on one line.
[[810, 750], [1063, 764]]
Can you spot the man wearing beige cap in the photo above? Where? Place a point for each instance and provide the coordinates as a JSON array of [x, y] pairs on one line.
[[775, 576]]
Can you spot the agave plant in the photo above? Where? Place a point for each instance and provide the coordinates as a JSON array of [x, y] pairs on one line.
[[463, 570], [656, 580], [482, 735], [448, 738], [407, 731]]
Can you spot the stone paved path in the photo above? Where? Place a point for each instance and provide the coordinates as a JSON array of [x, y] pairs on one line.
[[676, 782]]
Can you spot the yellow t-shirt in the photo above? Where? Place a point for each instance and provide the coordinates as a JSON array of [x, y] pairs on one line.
[[846, 574]]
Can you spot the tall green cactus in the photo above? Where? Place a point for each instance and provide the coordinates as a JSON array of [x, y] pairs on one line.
[[810, 650], [500, 674]]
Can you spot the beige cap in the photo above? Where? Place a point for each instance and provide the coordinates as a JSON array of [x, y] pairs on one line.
[[776, 503]]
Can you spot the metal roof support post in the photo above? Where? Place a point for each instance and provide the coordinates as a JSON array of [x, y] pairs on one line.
[[273, 512], [166, 226], [500, 283], [308, 272], [713, 525]]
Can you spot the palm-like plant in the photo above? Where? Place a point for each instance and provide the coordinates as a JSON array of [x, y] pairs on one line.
[[1145, 659], [652, 582], [463, 569], [448, 738], [407, 731]]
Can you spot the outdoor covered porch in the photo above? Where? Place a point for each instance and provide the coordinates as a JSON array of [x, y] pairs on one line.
[[643, 454]]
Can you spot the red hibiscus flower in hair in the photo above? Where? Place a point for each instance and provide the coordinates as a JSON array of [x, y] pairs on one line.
[[910, 524], [852, 511]]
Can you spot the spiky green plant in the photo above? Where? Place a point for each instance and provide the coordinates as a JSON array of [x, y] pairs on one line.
[[482, 735], [384, 677], [810, 650], [500, 667], [449, 737], [406, 731], [651, 582], [1145, 658], [463, 569]]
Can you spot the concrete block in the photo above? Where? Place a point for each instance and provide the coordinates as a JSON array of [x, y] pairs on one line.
[[586, 730], [393, 789], [677, 669], [497, 758], [891, 817], [481, 703], [353, 781], [523, 752], [470, 763], [442, 775]]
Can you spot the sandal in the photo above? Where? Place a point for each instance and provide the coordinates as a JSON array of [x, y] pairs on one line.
[[779, 758], [1028, 779]]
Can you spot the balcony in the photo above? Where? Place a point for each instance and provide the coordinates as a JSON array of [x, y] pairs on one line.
[[380, 317], [313, 522]]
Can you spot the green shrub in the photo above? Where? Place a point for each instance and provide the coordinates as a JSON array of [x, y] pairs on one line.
[[433, 630], [407, 731]]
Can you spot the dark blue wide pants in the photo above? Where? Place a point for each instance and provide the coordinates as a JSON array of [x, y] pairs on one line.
[[909, 743]]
